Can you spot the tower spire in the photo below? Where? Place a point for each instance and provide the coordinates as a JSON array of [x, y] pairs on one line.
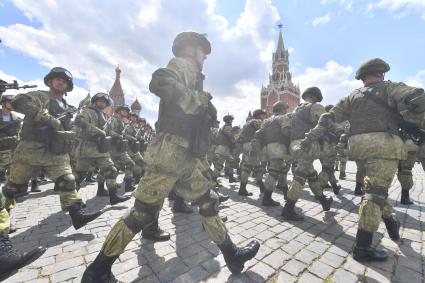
[[280, 46]]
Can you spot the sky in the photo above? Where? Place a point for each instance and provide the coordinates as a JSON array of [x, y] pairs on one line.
[[327, 41]]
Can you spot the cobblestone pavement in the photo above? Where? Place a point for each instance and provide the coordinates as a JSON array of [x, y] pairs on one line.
[[316, 250]]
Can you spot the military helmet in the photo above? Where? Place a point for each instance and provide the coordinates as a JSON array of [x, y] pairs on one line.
[[133, 114], [372, 66], [101, 95], [280, 106], [228, 118], [314, 91], [122, 107], [186, 38], [141, 119], [59, 72], [7, 97], [329, 107], [257, 113]]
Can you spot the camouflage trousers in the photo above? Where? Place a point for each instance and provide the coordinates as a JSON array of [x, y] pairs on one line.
[[5, 159], [378, 175], [139, 163], [304, 171], [31, 157], [328, 170], [4, 217], [251, 163], [404, 174], [107, 171], [170, 166], [124, 162], [360, 173], [220, 161], [277, 172]]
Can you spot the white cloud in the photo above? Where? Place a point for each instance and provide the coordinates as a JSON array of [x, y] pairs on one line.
[[333, 79], [347, 4], [321, 20], [399, 8], [91, 39], [418, 80]]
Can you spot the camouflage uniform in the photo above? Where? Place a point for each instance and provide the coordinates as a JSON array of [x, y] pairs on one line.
[[225, 144], [404, 174], [90, 123], [251, 157], [213, 145], [305, 117], [8, 141], [175, 158], [342, 151], [375, 142], [130, 133], [120, 157], [274, 138]]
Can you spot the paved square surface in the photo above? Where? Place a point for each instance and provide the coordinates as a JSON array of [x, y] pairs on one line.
[[315, 250]]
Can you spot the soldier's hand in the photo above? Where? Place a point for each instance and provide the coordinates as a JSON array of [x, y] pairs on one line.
[[54, 123], [100, 133], [306, 144]]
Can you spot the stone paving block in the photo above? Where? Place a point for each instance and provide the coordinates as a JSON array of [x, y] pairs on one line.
[[284, 277], [27, 275], [342, 276], [332, 259], [307, 277], [276, 259], [260, 271], [172, 271], [294, 267], [320, 269], [194, 275], [404, 274], [68, 274], [306, 256]]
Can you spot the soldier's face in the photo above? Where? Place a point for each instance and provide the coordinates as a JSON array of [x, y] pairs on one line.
[[200, 56], [101, 104], [133, 119], [124, 113], [310, 98], [7, 105], [58, 85]]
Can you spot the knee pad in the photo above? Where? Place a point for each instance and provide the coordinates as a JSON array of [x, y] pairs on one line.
[[140, 216], [208, 204], [109, 172], [66, 183]]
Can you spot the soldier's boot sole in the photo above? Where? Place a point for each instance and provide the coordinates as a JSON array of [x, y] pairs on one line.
[[369, 254], [83, 219], [158, 236], [292, 216], [115, 199], [223, 198], [26, 259]]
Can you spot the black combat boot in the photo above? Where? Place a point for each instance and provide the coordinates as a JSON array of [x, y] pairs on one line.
[[181, 206], [34, 186], [153, 232], [11, 260], [358, 190], [236, 257], [289, 213], [268, 201], [405, 197], [232, 178], [114, 198], [325, 202], [393, 227], [79, 217], [128, 186], [342, 175], [101, 192], [172, 195], [363, 250], [260, 184], [99, 271], [89, 177], [335, 188], [222, 198], [243, 191]]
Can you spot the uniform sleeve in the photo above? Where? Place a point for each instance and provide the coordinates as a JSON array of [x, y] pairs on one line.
[[85, 122], [315, 112], [27, 104], [341, 111], [114, 130]]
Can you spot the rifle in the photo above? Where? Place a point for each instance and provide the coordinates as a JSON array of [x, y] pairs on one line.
[[5, 86], [68, 113]]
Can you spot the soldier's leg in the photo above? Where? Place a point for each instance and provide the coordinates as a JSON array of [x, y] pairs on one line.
[[258, 171], [81, 167], [247, 168], [282, 183], [275, 167], [128, 173], [405, 177], [379, 174], [199, 189], [359, 178], [70, 199], [139, 167], [342, 166], [218, 165], [328, 174], [109, 174]]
